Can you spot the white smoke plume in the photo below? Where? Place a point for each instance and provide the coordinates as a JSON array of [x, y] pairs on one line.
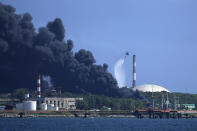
[[120, 72]]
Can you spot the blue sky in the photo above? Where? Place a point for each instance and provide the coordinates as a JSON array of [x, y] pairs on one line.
[[162, 34]]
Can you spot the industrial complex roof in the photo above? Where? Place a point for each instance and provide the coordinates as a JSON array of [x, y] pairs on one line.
[[150, 88]]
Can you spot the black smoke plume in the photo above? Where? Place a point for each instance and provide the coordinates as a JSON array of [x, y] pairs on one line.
[[25, 53]]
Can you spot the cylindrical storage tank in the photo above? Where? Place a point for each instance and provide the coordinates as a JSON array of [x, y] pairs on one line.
[[19, 106], [27, 96], [44, 106], [56, 108], [29, 105], [50, 107]]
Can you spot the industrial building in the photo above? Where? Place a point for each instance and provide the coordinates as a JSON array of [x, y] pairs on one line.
[[46, 103], [59, 103], [62, 103]]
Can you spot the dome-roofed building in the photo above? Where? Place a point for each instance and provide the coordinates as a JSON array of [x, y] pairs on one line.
[[150, 88]]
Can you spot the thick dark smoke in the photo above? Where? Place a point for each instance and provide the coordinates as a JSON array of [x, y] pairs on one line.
[[25, 53]]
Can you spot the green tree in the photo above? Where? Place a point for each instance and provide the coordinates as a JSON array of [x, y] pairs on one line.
[[82, 105], [20, 93]]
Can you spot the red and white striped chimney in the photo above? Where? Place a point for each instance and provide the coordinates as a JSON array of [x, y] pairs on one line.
[[38, 87], [134, 71]]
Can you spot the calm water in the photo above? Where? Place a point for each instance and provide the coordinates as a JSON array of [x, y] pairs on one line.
[[96, 124]]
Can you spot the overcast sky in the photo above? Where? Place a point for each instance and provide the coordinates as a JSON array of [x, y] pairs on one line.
[[162, 34]]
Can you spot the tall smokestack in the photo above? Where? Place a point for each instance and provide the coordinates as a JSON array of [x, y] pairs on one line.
[[134, 71], [38, 87]]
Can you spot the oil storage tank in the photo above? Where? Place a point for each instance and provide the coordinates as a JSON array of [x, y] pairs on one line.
[[150, 88], [19, 106], [44, 106], [56, 108], [29, 105], [50, 107]]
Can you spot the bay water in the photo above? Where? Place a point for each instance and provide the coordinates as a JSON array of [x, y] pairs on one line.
[[96, 124]]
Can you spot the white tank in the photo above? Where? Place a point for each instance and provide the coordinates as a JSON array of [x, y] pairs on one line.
[[44, 106], [27, 96], [19, 106], [50, 107], [150, 88], [56, 108], [29, 105]]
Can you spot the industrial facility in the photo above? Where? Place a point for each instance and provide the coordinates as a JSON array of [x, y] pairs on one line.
[[150, 88], [46, 103], [145, 87]]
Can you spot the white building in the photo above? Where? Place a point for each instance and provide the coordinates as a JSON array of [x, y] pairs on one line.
[[62, 103], [58, 102]]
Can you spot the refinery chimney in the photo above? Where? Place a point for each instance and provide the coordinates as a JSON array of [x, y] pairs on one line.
[[38, 87], [134, 71]]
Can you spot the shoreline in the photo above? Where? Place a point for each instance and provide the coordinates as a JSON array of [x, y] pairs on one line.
[[67, 114], [77, 114]]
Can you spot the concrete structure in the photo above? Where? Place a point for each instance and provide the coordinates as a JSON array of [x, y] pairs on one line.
[[150, 88], [62, 103]]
